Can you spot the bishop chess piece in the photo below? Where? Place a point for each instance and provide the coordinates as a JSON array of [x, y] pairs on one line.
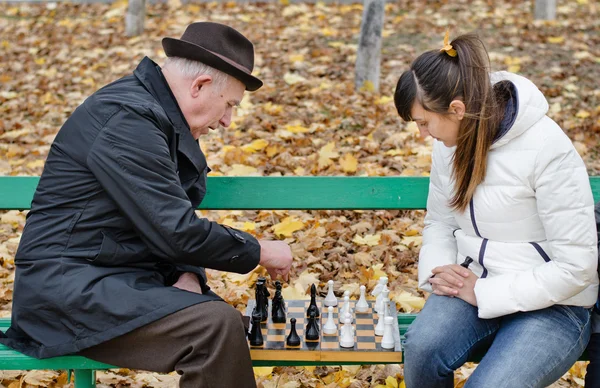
[[362, 306], [379, 329], [347, 334], [256, 338], [293, 339], [278, 308], [313, 302], [330, 299], [330, 327], [312, 329], [387, 342]]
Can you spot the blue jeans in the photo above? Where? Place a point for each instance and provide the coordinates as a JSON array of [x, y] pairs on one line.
[[528, 349]]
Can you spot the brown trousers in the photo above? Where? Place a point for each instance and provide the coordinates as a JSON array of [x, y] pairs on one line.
[[204, 343]]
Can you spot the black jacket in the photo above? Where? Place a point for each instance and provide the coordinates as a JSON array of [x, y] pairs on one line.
[[113, 223]]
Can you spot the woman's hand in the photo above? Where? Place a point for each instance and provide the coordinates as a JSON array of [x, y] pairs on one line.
[[453, 280]]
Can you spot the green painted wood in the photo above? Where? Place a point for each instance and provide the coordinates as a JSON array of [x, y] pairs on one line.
[[85, 378], [238, 193]]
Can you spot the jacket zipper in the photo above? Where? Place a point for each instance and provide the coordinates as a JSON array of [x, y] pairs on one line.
[[483, 243]]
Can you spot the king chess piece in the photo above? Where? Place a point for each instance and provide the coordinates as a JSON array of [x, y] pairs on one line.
[[256, 338], [312, 329], [330, 299], [293, 339], [260, 308], [313, 302]]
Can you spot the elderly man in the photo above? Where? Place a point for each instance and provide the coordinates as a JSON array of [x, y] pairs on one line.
[[111, 261]]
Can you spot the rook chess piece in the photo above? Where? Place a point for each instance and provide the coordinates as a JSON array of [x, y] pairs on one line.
[[313, 302], [330, 327], [347, 334], [362, 306], [256, 338], [312, 330], [387, 342], [330, 299], [293, 339]]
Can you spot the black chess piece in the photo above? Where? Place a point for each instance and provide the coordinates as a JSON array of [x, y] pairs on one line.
[[256, 338], [293, 339], [260, 307], [266, 295], [278, 308], [313, 302], [278, 288], [312, 329]]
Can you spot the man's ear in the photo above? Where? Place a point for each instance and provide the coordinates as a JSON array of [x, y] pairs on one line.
[[198, 83], [457, 107]]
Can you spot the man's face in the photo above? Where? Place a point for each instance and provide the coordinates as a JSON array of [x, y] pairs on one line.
[[207, 107]]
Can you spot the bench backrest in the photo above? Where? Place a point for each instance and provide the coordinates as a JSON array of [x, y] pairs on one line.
[[272, 193]]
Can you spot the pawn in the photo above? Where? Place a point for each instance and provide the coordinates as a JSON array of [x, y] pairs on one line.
[[312, 330], [379, 329], [347, 334], [330, 299], [313, 302], [293, 339], [256, 338], [387, 342], [362, 306], [330, 327]]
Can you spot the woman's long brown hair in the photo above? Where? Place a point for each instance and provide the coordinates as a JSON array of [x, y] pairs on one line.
[[434, 80]]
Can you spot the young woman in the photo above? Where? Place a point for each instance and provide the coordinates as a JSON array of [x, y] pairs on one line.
[[509, 192]]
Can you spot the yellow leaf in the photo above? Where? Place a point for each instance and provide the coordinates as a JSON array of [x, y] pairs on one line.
[[36, 164], [284, 2], [242, 170], [514, 68], [391, 382], [409, 302], [263, 370], [296, 129], [380, 386], [415, 240], [383, 100], [583, 114], [327, 31], [296, 58], [40, 61], [293, 78], [402, 384], [326, 153], [273, 109], [335, 44], [246, 226], [255, 146], [367, 86], [411, 232], [349, 163], [369, 239], [288, 226], [556, 39], [377, 272]]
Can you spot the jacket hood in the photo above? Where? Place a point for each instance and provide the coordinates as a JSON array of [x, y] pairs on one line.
[[532, 105]]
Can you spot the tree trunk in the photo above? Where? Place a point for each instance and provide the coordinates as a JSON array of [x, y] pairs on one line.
[[545, 9], [134, 19], [368, 56]]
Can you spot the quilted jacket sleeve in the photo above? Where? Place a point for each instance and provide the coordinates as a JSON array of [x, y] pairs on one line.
[[439, 245]]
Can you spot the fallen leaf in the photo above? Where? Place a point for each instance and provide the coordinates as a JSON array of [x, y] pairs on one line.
[[287, 227]]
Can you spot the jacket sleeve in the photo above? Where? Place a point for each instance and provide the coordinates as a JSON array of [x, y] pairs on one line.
[[131, 160], [439, 245], [566, 209]]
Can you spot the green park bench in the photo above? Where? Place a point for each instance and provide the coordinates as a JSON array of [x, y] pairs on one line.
[[245, 193]]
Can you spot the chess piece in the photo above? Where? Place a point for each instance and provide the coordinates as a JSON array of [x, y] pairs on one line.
[[260, 307], [313, 302], [278, 288], [293, 339], [278, 308], [346, 310], [467, 262], [330, 327], [330, 299], [266, 295], [312, 330], [384, 294], [381, 285], [347, 334], [362, 306], [256, 338], [387, 342], [379, 329]]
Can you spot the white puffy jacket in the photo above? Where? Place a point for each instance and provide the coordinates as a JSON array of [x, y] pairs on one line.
[[530, 227]]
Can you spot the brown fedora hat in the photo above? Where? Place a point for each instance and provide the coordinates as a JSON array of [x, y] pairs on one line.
[[218, 46]]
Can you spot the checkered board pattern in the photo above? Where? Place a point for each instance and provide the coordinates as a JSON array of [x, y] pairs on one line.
[[367, 346]]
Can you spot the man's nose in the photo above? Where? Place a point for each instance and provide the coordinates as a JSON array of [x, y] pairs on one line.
[[225, 120]]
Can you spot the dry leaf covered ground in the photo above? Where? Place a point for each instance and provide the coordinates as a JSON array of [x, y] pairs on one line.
[[307, 120]]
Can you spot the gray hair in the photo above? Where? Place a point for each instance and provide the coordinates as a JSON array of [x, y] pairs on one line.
[[192, 69]]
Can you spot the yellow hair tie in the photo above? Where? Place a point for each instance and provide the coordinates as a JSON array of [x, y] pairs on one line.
[[447, 46]]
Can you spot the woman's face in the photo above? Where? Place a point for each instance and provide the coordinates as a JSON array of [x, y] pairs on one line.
[[441, 127]]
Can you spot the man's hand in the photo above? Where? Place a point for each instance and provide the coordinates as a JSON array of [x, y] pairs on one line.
[[189, 282], [276, 257], [453, 280]]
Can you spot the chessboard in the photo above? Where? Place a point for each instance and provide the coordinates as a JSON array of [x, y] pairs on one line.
[[367, 346]]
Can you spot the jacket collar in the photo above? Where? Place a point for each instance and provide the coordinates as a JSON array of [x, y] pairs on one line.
[[151, 76]]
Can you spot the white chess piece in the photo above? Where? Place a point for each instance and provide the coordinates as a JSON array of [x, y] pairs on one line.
[[385, 293], [347, 334], [387, 342], [379, 288], [345, 310], [330, 327], [330, 299], [362, 306], [379, 329]]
